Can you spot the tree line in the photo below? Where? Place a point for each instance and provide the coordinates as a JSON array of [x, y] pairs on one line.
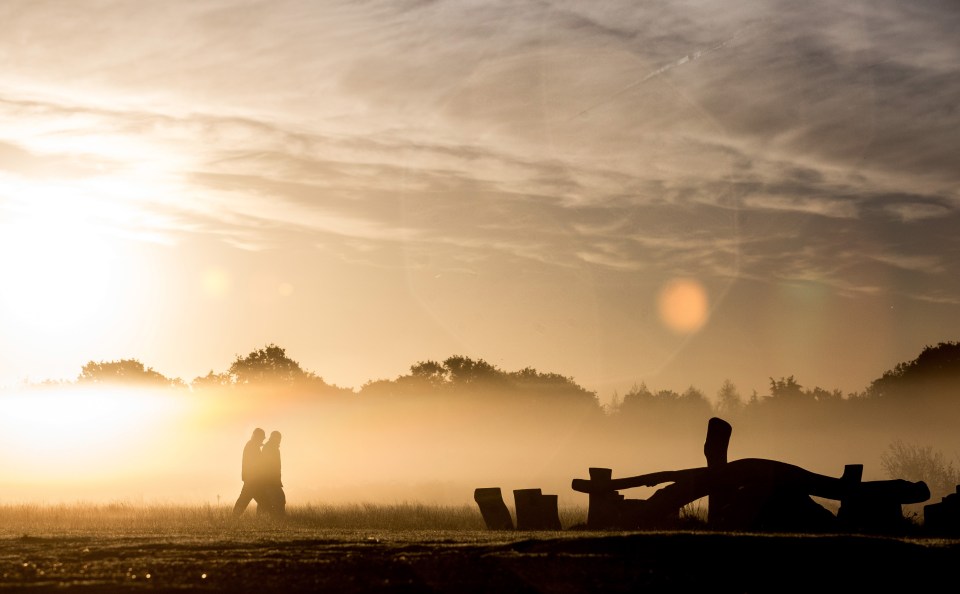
[[933, 376]]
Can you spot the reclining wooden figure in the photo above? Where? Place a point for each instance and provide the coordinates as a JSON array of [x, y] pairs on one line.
[[751, 494]]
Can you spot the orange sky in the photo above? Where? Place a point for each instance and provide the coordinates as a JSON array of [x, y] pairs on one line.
[[676, 194]]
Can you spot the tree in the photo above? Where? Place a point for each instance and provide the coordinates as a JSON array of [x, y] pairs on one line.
[[642, 398], [432, 373], [460, 376], [464, 370], [266, 365], [729, 402], [824, 396], [935, 372], [559, 388], [124, 371], [787, 390], [694, 401], [212, 380]]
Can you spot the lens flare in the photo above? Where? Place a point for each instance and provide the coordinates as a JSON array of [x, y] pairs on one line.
[[683, 305]]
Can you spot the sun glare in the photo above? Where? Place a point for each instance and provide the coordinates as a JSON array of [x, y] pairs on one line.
[[60, 271], [71, 434], [683, 305]]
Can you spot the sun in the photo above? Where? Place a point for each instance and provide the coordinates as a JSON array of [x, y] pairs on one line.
[[61, 270], [683, 305]]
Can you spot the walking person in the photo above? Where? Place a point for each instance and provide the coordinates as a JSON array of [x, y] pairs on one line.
[[251, 472], [273, 493]]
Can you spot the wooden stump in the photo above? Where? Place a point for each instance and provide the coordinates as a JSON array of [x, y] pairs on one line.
[[536, 511], [494, 511], [863, 513], [943, 519]]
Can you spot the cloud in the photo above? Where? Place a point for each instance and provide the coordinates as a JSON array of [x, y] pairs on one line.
[[928, 264], [714, 138], [826, 207], [910, 212]]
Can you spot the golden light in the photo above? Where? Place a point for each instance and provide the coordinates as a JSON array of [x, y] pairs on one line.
[[683, 305], [61, 435], [216, 283], [60, 270]]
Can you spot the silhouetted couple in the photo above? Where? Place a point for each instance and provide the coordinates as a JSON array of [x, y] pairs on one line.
[[260, 471]]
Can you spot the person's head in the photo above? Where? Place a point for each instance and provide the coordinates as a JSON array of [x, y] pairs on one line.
[[259, 434], [275, 436]]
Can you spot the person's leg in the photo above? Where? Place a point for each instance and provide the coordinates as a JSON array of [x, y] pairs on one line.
[[264, 502], [246, 495]]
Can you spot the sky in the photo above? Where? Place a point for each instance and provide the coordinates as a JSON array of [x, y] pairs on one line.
[[672, 193]]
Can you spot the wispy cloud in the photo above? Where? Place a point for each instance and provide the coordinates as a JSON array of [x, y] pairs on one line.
[[826, 207], [918, 211], [711, 131]]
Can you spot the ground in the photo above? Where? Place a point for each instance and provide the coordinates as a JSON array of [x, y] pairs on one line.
[[346, 561]]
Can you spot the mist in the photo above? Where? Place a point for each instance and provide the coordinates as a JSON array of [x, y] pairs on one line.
[[141, 446]]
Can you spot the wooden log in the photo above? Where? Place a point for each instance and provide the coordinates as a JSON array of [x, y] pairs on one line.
[[745, 470], [757, 481], [644, 480], [494, 511], [751, 493], [719, 500]]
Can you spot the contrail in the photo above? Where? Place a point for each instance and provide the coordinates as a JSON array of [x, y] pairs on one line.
[[688, 58]]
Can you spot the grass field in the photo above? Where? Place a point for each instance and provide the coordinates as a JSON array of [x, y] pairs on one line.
[[409, 547]]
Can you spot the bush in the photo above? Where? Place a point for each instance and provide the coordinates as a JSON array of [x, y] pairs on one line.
[[920, 463]]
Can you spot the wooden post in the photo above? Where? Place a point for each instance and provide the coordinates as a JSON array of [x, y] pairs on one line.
[[494, 511], [717, 442], [862, 511], [602, 510], [719, 498], [850, 508]]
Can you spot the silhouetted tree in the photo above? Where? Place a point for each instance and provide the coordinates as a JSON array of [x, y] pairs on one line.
[[460, 376], [559, 388], [464, 370], [787, 390], [426, 378], [822, 396], [380, 388], [641, 398], [315, 385], [212, 380], [431, 372], [935, 372], [266, 365], [124, 371]]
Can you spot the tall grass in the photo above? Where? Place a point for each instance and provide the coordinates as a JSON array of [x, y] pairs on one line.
[[128, 519], [402, 516]]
